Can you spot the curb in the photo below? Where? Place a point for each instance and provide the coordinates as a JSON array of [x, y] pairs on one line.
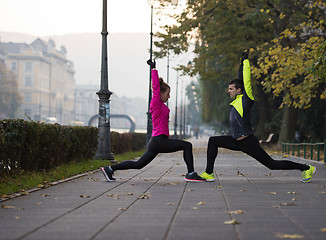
[[19, 194]]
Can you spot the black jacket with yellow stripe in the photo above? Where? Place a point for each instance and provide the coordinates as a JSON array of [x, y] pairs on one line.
[[241, 105]]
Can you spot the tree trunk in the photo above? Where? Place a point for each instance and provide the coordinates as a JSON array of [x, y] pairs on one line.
[[263, 113], [289, 123]]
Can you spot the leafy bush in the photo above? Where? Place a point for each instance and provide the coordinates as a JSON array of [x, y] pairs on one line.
[[27, 145]]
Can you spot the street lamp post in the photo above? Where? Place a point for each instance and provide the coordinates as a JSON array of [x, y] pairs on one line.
[[184, 115], [185, 111], [181, 111], [149, 117], [168, 73], [104, 139], [176, 109]]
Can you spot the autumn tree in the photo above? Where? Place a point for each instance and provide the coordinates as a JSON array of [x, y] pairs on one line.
[[285, 64], [221, 30], [10, 99]]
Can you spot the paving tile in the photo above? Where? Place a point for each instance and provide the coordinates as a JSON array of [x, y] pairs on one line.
[[156, 203]]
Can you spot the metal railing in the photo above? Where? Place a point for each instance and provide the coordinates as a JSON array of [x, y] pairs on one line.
[[312, 149]]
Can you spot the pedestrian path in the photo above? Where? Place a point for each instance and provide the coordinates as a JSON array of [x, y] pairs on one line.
[[247, 202]]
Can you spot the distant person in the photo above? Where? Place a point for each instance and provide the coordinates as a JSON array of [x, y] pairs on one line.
[[197, 131], [160, 141], [243, 138]]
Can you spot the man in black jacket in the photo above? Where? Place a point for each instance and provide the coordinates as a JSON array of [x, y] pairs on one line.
[[242, 138]]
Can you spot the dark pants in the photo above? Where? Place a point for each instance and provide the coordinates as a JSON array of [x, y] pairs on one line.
[[156, 145], [249, 145]]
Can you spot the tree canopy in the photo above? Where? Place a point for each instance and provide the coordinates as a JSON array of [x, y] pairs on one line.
[[287, 44], [10, 99]]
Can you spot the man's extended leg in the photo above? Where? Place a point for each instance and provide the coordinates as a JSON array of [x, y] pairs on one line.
[[251, 146]]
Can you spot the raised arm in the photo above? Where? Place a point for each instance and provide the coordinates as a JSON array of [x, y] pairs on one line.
[[246, 76], [155, 80], [156, 85]]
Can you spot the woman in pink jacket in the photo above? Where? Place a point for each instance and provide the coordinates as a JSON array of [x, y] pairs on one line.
[[159, 142]]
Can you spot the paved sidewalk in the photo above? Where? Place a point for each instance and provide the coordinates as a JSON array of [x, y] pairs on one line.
[[156, 203]]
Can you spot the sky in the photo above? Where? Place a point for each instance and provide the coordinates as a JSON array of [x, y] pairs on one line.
[[53, 18], [49, 17]]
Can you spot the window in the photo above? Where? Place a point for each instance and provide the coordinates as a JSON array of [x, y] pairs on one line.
[[27, 97], [28, 67], [14, 66], [28, 81]]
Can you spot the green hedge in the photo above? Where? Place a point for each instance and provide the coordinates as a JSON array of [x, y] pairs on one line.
[[26, 145]]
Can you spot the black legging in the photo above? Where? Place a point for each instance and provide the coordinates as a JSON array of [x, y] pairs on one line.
[[249, 145], [156, 145]]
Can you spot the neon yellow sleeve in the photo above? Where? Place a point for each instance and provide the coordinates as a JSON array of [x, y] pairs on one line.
[[247, 79]]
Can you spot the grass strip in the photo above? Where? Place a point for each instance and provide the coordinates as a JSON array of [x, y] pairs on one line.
[[23, 181]]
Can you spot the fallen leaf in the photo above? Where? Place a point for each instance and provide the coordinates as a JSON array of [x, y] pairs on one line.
[[190, 190], [38, 203], [40, 185], [288, 204], [82, 196], [322, 192], [236, 212], [4, 196], [7, 207], [195, 208], [289, 236], [272, 193], [17, 217], [201, 203], [292, 192], [24, 192], [145, 196], [243, 190], [174, 183], [286, 155], [323, 229], [170, 203], [45, 195], [122, 209], [129, 194], [217, 186], [232, 222]]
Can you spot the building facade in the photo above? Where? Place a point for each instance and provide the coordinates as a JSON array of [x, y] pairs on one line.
[[45, 80]]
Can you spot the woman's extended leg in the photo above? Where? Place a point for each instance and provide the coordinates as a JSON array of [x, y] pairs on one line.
[[145, 159]]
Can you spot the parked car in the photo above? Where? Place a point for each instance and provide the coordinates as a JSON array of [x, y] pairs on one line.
[[51, 120]]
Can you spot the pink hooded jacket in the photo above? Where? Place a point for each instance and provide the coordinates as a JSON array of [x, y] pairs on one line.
[[160, 112]]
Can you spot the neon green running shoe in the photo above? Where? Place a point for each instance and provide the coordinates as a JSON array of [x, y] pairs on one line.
[[208, 177], [307, 174]]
